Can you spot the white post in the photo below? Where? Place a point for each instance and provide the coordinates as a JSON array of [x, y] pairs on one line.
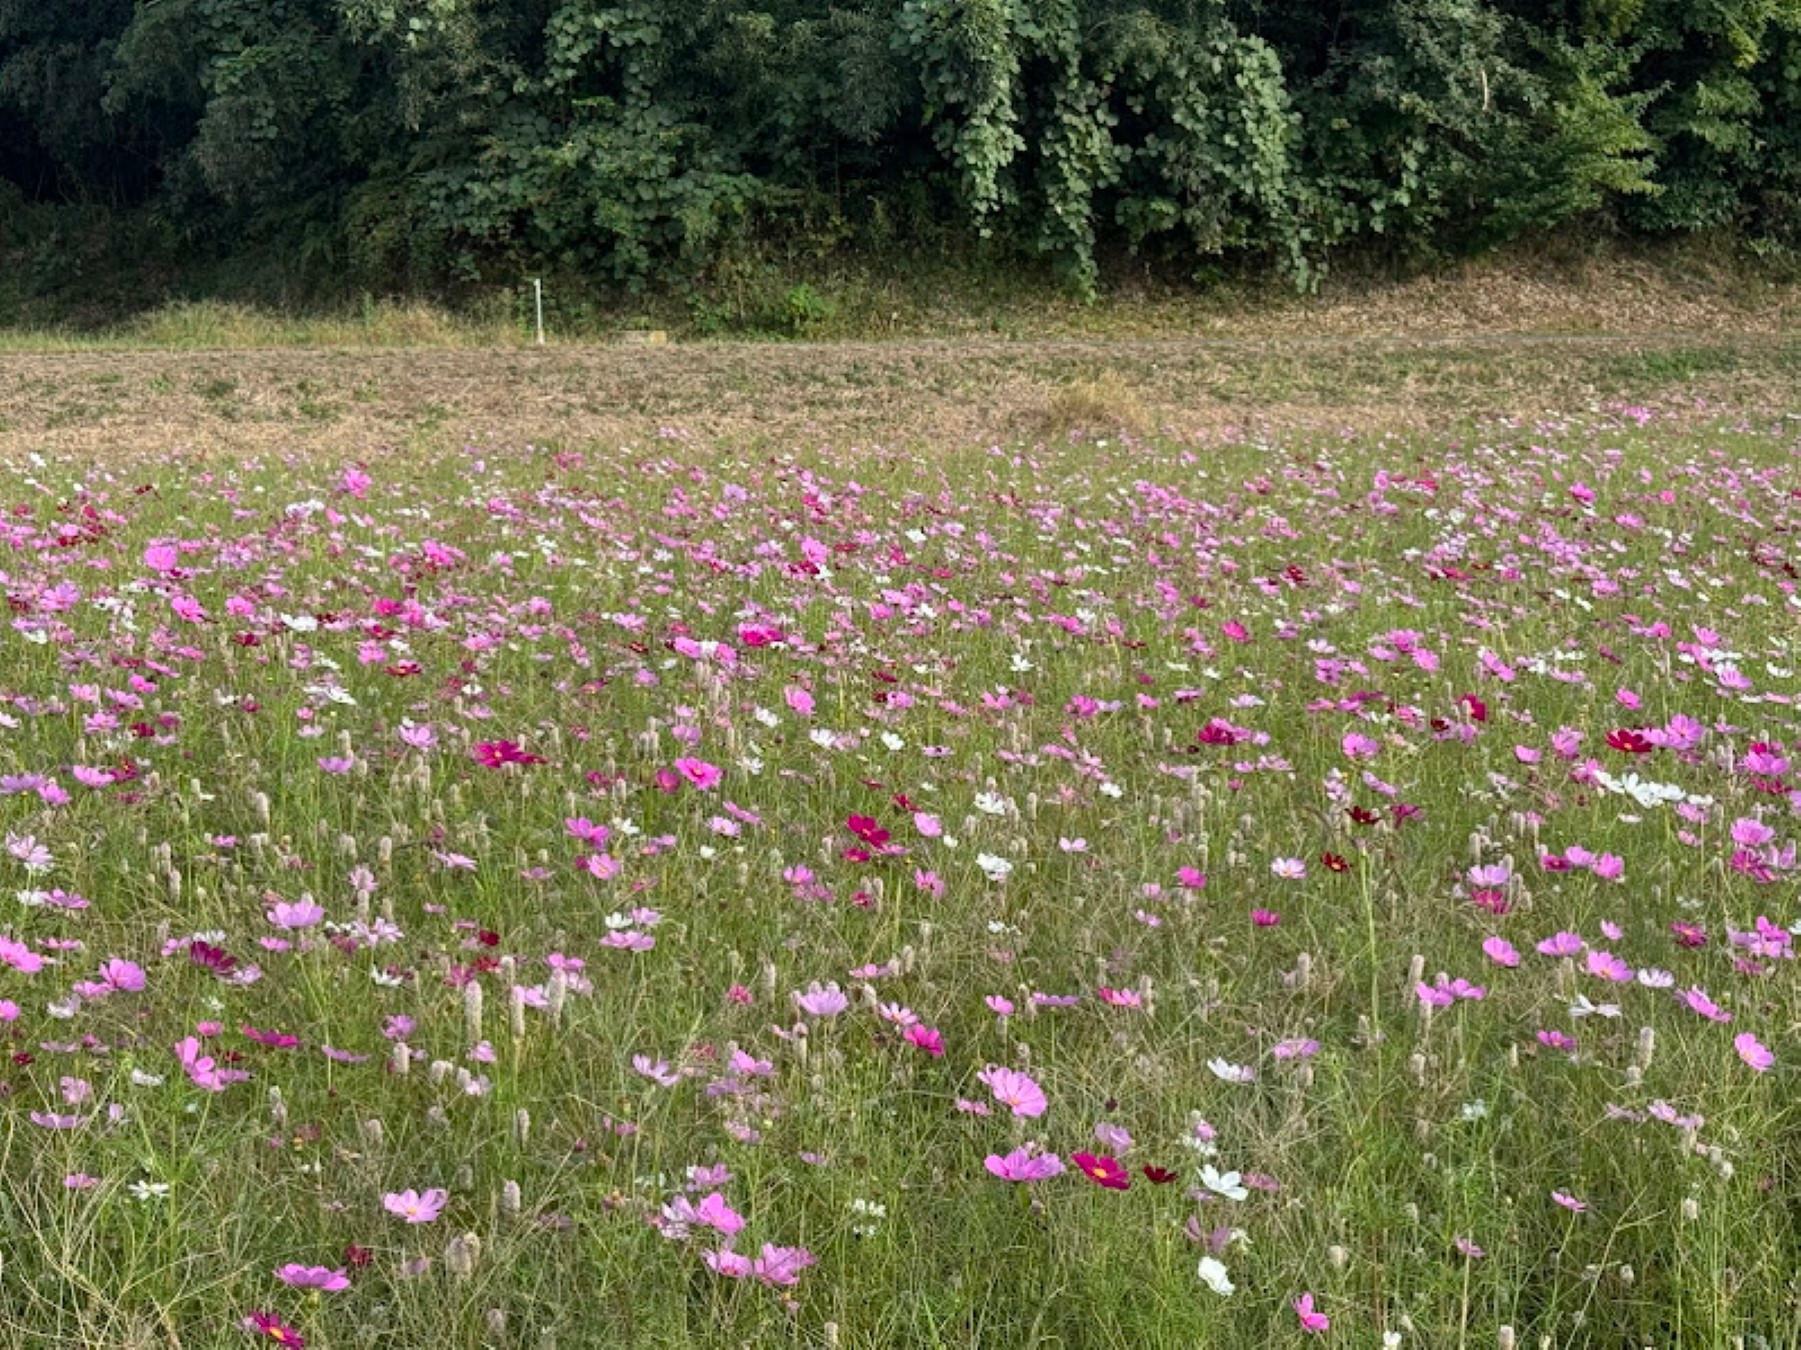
[[538, 305]]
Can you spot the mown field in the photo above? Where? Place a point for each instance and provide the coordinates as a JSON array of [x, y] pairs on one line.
[[1081, 844]]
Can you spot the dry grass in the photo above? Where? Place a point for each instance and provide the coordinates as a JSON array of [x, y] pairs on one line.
[[1106, 404], [358, 402]]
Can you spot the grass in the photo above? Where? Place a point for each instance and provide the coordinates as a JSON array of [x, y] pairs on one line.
[[1108, 636], [1126, 713], [1563, 286]]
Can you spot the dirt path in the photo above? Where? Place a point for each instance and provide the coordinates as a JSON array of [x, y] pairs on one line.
[[360, 402]]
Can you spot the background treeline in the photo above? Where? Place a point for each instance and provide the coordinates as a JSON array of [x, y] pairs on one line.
[[430, 144]]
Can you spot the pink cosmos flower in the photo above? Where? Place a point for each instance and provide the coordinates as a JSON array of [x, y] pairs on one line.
[[1696, 999], [1500, 951], [713, 1212], [1754, 1052], [1570, 1202], [415, 1206], [1014, 1089], [313, 1277]]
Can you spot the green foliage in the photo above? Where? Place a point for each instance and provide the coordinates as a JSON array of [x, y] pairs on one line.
[[414, 143]]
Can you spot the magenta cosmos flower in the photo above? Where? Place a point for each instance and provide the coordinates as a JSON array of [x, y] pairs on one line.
[[322, 1278], [1103, 1170], [415, 1207], [1311, 1319], [701, 774], [268, 1326]]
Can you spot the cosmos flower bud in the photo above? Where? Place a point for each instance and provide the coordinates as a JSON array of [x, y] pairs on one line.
[[496, 1322], [556, 994], [402, 1061], [516, 1013], [374, 1134], [510, 1199], [522, 1126], [1338, 1256], [260, 805], [1416, 970], [1647, 1046], [1504, 1338], [1691, 1209], [1416, 1065]]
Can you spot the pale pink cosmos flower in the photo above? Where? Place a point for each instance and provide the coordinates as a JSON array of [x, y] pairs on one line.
[[1023, 1164], [1114, 1138], [313, 1277], [821, 1001], [295, 914], [415, 1206], [1570, 1202]]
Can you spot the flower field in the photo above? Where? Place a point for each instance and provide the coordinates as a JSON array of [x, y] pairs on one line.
[[1339, 891]]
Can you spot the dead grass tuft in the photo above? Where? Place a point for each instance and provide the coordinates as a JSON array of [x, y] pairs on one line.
[[1106, 405]]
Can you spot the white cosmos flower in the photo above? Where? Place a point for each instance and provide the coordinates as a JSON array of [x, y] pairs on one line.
[[1213, 1274], [991, 804], [1228, 1184], [1583, 1008], [996, 868], [1228, 1072]]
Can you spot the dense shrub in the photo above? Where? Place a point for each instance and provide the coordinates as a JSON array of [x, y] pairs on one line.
[[422, 141]]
